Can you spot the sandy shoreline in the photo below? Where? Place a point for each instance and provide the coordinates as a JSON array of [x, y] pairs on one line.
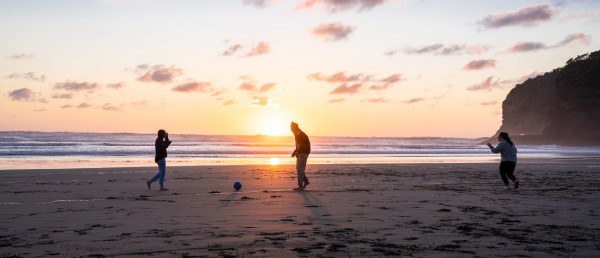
[[421, 210]]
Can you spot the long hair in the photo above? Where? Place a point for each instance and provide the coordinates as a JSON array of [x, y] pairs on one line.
[[504, 136], [161, 133]]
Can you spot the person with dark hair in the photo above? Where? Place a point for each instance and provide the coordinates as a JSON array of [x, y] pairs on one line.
[[160, 145], [301, 153], [508, 161]]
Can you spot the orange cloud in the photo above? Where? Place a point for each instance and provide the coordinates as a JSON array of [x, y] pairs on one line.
[[260, 49], [21, 56], [77, 86], [28, 76], [116, 86], [333, 31], [25, 94], [250, 86], [376, 100], [340, 100], [345, 89], [488, 84], [413, 100]]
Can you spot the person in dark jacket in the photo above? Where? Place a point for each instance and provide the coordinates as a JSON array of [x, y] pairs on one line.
[[508, 161], [301, 153], [160, 145]]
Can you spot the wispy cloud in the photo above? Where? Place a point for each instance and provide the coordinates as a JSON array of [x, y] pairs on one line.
[[333, 31], [345, 89], [229, 103], [413, 100], [258, 3], [489, 103], [523, 78], [116, 86], [84, 105], [353, 83], [260, 49], [480, 64], [77, 86], [161, 74], [340, 100], [192, 86], [63, 96], [26, 94], [526, 16], [262, 101], [21, 56], [376, 100], [340, 5], [251, 86], [486, 85], [444, 49], [111, 107], [248, 50], [27, 76], [532, 46], [575, 16]]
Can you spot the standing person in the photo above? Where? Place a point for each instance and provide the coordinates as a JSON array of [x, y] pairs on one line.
[[301, 153], [508, 161], [160, 145]]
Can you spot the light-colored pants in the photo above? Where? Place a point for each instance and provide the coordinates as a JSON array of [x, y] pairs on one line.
[[162, 169], [301, 160]]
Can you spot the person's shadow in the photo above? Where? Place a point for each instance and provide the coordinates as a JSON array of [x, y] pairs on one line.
[[317, 208], [225, 201]]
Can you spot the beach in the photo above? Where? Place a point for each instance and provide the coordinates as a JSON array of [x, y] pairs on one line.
[[349, 210]]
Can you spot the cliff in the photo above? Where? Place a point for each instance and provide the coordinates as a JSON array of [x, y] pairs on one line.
[[561, 107]]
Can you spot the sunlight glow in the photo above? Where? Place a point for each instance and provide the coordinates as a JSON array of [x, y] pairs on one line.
[[274, 161], [274, 125]]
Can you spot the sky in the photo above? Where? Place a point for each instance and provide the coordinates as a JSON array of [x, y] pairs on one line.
[[383, 68]]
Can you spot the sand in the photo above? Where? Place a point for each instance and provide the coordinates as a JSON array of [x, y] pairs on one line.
[[421, 210]]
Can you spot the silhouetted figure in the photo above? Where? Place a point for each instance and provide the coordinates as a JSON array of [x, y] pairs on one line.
[[301, 153], [508, 161], [161, 144]]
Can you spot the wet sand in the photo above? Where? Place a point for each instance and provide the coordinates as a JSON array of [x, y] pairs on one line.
[[422, 210]]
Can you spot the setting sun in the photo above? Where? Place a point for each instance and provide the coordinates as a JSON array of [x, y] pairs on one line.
[[274, 124], [274, 161]]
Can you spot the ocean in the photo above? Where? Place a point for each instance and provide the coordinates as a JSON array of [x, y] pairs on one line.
[[43, 150]]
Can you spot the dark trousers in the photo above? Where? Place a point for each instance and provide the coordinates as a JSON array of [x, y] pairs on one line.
[[506, 171]]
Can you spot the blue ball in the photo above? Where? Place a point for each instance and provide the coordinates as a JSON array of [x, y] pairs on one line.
[[237, 185]]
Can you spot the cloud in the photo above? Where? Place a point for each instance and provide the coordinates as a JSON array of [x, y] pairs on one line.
[[25, 94], [66, 106], [486, 85], [262, 101], [357, 80], [532, 46], [84, 105], [525, 47], [77, 86], [413, 100], [523, 78], [63, 96], [339, 77], [260, 49], [526, 16], [251, 86], [21, 56], [333, 31], [576, 37], [480, 64], [445, 49], [575, 16], [488, 103], [116, 86], [232, 49], [345, 89], [28, 76], [161, 74], [218, 92], [340, 5], [192, 87], [376, 100], [111, 107], [229, 102], [257, 3], [340, 100]]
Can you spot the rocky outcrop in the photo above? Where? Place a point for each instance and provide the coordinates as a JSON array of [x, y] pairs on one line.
[[561, 107]]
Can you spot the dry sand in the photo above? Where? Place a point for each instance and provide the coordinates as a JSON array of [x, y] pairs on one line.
[[423, 210]]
